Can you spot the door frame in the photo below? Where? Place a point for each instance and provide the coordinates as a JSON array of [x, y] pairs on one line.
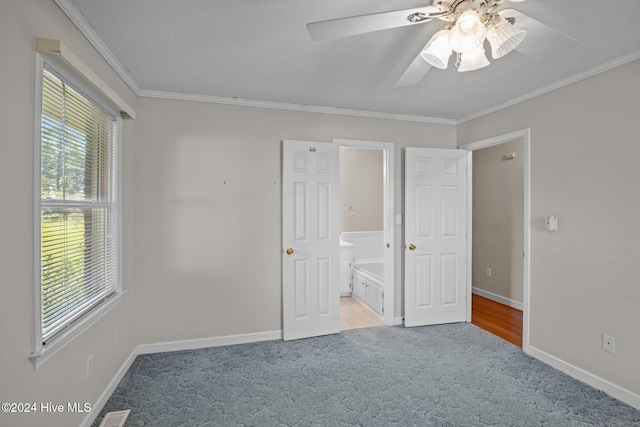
[[525, 135], [388, 217]]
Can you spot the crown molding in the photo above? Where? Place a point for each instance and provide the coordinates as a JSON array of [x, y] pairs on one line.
[[291, 107], [606, 66], [81, 23], [85, 28]]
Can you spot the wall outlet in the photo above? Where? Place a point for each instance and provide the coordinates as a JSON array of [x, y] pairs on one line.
[[487, 272], [89, 365], [608, 343]]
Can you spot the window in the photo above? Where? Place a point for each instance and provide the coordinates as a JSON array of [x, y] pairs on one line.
[[78, 218]]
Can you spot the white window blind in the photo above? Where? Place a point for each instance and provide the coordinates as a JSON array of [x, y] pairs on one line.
[[78, 209]]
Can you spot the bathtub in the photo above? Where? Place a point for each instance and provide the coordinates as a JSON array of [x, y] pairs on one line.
[[373, 269], [368, 284]]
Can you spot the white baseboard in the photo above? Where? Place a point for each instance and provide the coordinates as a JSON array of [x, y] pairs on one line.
[[172, 346], [208, 342], [398, 321], [106, 394], [498, 298], [595, 381]]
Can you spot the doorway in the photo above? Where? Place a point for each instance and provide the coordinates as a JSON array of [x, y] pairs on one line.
[[311, 234], [366, 213], [499, 272], [361, 237]]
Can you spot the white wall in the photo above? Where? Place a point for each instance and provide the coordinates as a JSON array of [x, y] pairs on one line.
[[209, 253], [62, 378], [584, 165], [498, 220]]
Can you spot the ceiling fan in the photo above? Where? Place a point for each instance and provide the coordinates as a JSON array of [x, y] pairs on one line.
[[468, 23]]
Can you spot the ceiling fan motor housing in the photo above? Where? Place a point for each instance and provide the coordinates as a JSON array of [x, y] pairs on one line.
[[455, 7]]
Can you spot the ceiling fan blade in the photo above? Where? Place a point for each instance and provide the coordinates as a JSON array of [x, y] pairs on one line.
[[343, 27], [414, 73], [541, 42]]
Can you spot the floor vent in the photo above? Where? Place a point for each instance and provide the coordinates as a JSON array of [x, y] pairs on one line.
[[115, 419]]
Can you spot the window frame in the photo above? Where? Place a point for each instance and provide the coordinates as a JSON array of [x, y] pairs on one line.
[[82, 85]]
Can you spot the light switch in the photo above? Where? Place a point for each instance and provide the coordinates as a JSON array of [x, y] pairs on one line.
[[552, 223]]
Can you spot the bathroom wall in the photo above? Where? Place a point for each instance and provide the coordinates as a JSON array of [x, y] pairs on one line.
[[361, 189]]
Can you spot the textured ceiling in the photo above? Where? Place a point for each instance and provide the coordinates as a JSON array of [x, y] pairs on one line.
[[260, 50]]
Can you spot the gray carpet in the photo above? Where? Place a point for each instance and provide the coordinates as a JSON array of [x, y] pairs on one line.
[[448, 375]]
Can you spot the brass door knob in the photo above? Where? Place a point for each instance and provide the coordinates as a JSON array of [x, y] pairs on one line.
[[412, 247], [289, 251]]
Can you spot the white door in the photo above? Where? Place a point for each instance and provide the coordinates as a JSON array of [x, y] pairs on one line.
[[435, 236], [311, 239]]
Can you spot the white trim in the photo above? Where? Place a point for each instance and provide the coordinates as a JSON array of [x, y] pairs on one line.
[[64, 62], [525, 134], [498, 298], [601, 68], [292, 107], [85, 28], [194, 344], [108, 391], [397, 321], [357, 261], [36, 331], [57, 49], [42, 353], [620, 393], [361, 233], [388, 219], [469, 254]]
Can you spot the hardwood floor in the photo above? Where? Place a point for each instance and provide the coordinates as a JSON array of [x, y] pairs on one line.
[[354, 314], [499, 319]]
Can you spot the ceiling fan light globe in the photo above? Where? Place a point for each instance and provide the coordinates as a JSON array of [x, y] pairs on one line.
[[473, 60], [438, 51], [503, 37], [468, 32]]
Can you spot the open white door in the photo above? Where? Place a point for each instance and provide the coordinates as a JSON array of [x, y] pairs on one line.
[[311, 239], [435, 236]]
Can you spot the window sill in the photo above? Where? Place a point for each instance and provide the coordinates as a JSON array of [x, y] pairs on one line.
[[45, 352]]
